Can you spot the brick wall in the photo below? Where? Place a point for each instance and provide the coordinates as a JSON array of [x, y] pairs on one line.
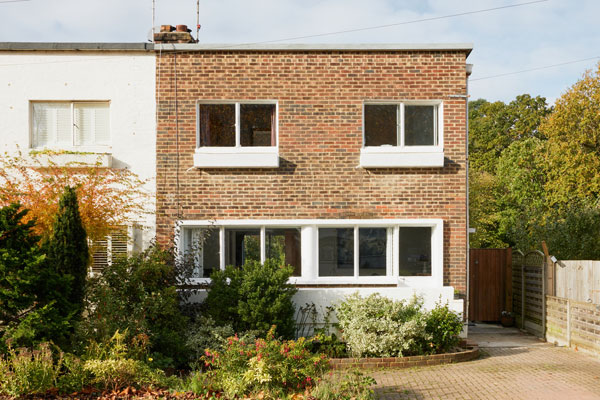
[[320, 95]]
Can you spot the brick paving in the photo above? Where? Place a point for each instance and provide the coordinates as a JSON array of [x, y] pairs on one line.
[[533, 371]]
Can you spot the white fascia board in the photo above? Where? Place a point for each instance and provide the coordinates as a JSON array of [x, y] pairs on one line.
[[236, 157], [401, 158]]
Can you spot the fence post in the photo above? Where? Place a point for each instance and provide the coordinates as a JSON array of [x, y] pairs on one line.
[[523, 295], [544, 298], [569, 322]]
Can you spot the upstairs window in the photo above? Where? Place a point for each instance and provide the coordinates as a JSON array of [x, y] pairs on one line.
[[237, 125], [70, 124], [401, 124]]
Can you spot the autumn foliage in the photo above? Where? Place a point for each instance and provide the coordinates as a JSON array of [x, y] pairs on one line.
[[107, 197]]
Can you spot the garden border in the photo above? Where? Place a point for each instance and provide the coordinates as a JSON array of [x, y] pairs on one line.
[[470, 352]]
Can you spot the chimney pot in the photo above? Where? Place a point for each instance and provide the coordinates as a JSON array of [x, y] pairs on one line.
[[166, 28], [182, 28]]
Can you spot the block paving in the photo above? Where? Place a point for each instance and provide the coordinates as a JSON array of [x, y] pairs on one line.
[[540, 371]]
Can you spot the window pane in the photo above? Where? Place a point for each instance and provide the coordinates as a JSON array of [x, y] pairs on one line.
[[372, 244], [202, 249], [336, 252], [381, 124], [415, 251], [51, 124], [241, 245], [284, 245], [420, 125], [257, 124], [91, 123], [217, 124]]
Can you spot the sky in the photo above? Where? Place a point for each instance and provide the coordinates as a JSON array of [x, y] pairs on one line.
[[507, 40]]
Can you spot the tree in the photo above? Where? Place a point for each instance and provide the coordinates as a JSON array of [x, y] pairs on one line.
[[20, 261], [505, 146], [68, 257], [108, 197], [573, 132]]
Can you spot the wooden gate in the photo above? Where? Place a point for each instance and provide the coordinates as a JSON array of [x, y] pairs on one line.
[[490, 284]]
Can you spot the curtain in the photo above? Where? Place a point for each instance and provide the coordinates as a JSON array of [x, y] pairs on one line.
[[273, 126], [204, 126]]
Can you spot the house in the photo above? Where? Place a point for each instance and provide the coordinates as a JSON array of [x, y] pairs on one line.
[[346, 161], [90, 101]]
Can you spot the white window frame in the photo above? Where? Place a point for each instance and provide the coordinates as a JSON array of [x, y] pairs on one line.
[[92, 148], [309, 237], [237, 156], [400, 155]]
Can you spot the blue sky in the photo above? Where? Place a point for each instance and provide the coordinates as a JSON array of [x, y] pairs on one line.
[[507, 40]]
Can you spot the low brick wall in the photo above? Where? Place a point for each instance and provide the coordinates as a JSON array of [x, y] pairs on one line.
[[471, 352]]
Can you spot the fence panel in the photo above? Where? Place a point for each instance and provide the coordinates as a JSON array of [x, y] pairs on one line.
[[528, 291], [517, 287], [578, 280]]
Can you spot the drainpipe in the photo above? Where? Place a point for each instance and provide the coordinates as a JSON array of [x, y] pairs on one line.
[[469, 71]]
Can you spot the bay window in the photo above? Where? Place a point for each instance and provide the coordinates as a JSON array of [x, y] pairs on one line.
[[400, 252]]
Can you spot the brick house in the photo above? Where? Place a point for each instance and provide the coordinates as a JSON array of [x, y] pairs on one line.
[[346, 161]]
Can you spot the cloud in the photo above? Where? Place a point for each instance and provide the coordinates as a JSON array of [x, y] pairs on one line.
[[505, 40]]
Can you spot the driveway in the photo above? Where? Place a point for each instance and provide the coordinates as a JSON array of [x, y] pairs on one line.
[[513, 366]]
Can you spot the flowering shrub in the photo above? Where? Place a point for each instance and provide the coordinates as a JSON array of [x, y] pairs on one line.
[[263, 365], [26, 371], [376, 326]]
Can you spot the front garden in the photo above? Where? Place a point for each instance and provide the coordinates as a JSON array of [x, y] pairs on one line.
[[132, 331]]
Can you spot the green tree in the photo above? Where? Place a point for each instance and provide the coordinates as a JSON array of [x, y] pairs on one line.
[[20, 262], [68, 257], [504, 145]]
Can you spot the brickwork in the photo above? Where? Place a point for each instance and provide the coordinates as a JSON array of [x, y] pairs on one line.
[[320, 96]]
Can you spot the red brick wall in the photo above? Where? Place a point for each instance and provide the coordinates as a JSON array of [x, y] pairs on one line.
[[320, 97]]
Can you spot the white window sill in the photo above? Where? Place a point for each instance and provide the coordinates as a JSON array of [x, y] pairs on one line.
[[71, 159], [236, 157], [392, 157], [408, 282]]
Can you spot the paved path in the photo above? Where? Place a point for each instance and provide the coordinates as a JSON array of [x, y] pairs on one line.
[[513, 366]]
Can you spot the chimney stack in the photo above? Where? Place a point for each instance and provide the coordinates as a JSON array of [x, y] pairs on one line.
[[170, 34]]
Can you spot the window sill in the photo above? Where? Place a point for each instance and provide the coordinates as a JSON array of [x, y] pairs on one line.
[[70, 159], [407, 282], [236, 157], [389, 157]]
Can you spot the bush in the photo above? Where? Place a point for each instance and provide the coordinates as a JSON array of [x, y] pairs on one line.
[[25, 371], [376, 326], [253, 298], [137, 296], [444, 327], [353, 385], [268, 365]]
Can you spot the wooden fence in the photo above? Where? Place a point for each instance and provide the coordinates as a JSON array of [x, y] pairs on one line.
[[528, 275], [578, 280], [573, 323]]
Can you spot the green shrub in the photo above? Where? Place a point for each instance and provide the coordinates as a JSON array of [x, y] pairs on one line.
[[353, 385], [68, 257], [268, 365], [444, 327], [74, 376], [253, 298], [137, 295], [25, 371], [377, 326]]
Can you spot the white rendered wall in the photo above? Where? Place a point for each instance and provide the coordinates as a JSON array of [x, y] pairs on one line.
[[125, 79]]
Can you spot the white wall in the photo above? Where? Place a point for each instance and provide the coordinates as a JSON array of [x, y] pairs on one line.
[[126, 79]]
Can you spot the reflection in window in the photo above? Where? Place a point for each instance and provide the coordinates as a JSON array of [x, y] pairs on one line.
[[381, 124], [336, 252], [241, 245], [372, 251], [415, 251], [420, 125], [284, 245], [257, 124], [202, 250], [217, 124]]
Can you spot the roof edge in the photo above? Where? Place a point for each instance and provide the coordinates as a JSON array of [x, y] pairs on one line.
[[68, 46], [467, 47]]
